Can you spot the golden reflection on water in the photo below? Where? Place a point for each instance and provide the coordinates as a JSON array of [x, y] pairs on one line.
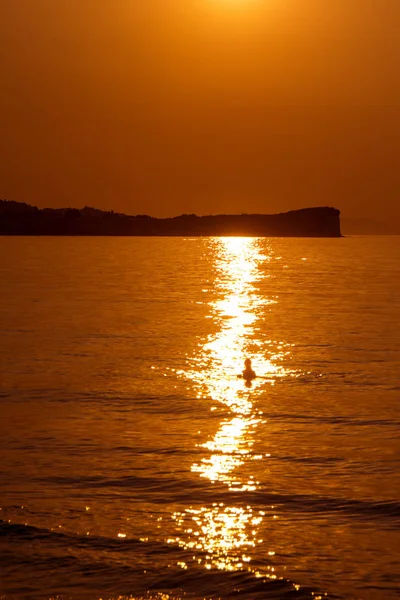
[[224, 534]]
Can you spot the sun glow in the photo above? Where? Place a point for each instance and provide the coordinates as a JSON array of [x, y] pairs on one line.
[[248, 7]]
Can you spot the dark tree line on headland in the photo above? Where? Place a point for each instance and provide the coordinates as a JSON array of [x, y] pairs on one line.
[[17, 218]]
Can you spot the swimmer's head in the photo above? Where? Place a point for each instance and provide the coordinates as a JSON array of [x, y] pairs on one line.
[[247, 362]]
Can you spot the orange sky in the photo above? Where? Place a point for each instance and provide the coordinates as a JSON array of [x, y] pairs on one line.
[[206, 106]]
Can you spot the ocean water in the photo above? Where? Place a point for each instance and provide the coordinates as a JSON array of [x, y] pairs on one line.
[[135, 463]]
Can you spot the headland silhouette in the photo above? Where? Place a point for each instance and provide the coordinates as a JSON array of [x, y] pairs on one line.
[[17, 218]]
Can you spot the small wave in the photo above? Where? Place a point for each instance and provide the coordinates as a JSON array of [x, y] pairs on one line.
[[29, 533], [168, 486], [78, 565], [358, 509], [168, 489], [333, 420], [311, 460]]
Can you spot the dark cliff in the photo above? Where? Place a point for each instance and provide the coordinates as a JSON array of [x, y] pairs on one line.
[[22, 219]]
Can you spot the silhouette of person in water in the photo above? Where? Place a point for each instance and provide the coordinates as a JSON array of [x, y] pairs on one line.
[[248, 373]]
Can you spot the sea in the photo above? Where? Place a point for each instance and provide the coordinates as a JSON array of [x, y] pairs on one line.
[[135, 460]]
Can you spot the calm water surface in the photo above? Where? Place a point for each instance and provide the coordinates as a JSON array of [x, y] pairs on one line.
[[134, 463]]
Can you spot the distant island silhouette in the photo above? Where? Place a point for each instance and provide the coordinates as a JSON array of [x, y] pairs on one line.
[[18, 218]]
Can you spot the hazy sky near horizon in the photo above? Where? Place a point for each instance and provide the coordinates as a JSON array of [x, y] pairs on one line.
[[205, 106]]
